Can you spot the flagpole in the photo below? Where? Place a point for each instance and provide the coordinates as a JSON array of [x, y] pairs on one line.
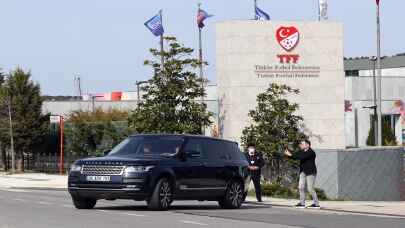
[[319, 11], [162, 47], [379, 113], [200, 55], [254, 9]]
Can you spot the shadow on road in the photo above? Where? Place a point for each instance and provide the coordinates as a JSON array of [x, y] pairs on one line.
[[178, 207]]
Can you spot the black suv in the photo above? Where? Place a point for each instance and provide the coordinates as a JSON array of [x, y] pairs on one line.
[[163, 168]]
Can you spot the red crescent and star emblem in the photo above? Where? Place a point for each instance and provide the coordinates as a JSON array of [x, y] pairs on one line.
[[288, 37]]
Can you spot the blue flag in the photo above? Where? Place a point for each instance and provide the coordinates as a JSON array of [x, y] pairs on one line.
[[261, 15], [201, 16], [155, 24]]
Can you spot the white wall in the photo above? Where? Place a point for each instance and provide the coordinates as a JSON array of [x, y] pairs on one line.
[[322, 98], [359, 90]]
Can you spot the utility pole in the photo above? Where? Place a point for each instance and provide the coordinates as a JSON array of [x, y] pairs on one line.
[[379, 87], [11, 135]]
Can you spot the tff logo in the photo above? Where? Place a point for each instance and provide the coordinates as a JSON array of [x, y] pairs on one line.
[[288, 38]]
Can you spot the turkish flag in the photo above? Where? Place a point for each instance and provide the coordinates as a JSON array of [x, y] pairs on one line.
[[378, 2]]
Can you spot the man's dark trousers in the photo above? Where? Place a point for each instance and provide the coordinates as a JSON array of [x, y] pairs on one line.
[[256, 183]]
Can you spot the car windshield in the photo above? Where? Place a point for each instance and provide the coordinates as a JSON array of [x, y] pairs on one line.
[[147, 146]]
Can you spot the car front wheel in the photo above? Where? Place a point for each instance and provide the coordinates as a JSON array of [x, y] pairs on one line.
[[234, 195], [162, 196], [84, 203]]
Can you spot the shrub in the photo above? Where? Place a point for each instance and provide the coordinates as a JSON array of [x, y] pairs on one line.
[[388, 136], [278, 191]]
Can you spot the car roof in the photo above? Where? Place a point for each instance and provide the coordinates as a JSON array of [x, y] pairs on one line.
[[186, 136]]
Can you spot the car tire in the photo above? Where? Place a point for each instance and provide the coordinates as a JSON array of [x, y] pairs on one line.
[[162, 196], [84, 203], [233, 197]]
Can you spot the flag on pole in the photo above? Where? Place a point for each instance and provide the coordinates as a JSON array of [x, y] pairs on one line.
[[323, 9], [201, 16], [155, 24], [261, 15], [378, 2]]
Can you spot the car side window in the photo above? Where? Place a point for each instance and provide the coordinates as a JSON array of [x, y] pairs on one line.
[[236, 152], [194, 148], [215, 150]]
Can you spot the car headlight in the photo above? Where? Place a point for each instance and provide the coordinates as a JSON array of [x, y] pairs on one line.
[[138, 169], [75, 168]]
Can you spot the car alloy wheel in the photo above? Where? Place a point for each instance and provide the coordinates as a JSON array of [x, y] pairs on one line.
[[235, 194], [165, 194]]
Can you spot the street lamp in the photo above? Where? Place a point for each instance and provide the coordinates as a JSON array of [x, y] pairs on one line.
[[93, 105], [373, 59], [138, 85], [379, 87]]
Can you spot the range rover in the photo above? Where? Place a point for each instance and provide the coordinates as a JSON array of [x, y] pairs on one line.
[[161, 168]]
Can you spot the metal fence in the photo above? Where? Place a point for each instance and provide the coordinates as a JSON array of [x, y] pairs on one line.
[[48, 163]]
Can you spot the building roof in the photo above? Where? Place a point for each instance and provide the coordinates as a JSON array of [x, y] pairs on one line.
[[366, 63]]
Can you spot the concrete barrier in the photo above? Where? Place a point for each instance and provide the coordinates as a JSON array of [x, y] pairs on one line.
[[364, 174]]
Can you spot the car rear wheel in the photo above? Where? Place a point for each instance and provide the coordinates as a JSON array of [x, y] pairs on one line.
[[84, 203], [234, 195], [162, 196]]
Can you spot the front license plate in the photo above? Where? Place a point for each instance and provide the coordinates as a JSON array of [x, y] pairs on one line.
[[98, 178]]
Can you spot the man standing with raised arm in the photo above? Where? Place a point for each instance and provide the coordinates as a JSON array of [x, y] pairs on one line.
[[308, 172]]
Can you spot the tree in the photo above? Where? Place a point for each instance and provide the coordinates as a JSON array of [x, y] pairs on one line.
[[171, 100], [30, 126], [274, 125], [91, 133], [388, 136]]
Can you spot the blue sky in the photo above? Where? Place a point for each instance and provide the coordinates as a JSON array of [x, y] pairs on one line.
[[105, 41]]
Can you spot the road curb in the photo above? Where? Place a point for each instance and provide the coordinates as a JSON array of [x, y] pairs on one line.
[[333, 210]]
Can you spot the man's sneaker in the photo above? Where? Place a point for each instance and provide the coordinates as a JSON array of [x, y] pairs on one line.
[[314, 206], [300, 206]]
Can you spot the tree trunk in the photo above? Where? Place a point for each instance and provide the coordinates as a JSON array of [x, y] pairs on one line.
[[3, 157]]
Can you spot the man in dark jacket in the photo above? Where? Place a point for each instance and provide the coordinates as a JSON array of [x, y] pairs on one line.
[[256, 162], [308, 171]]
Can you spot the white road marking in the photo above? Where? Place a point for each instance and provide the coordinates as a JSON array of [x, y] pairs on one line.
[[102, 210], [19, 199], [44, 203], [136, 215], [193, 223], [13, 190], [67, 206]]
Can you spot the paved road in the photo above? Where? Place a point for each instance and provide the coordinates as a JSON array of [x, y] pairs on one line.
[[42, 209]]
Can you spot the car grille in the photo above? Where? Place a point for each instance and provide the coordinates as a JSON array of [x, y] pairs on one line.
[[102, 170]]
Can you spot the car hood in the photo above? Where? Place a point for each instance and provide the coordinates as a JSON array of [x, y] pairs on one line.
[[116, 160]]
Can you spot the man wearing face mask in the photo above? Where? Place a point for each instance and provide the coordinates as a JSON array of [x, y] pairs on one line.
[[256, 162]]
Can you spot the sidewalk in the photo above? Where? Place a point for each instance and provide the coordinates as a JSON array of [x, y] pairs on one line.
[[57, 182], [377, 208], [33, 181]]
